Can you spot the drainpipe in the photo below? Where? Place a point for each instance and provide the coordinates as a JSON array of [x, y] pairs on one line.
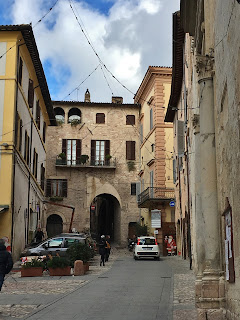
[[29, 179]]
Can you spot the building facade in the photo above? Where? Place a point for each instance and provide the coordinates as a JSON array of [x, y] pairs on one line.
[[25, 113], [209, 90], [91, 167], [156, 145]]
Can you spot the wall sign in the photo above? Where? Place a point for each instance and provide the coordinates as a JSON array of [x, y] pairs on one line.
[[155, 218]]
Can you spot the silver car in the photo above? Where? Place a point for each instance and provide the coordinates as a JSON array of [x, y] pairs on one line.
[[58, 244]]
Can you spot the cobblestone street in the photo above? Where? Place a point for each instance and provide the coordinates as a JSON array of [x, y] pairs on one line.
[[21, 297]]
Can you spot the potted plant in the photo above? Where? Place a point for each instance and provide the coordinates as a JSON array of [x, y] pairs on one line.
[[59, 266], [75, 122], [80, 251], [107, 158], [32, 269], [61, 158], [83, 158], [131, 165]]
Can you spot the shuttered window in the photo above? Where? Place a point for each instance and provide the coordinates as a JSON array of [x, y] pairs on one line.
[[56, 188], [42, 176], [26, 148], [130, 150], [30, 93], [20, 68], [19, 133], [180, 137], [100, 118], [35, 163], [38, 114], [99, 150], [44, 132], [151, 119], [130, 120], [72, 149], [133, 189]]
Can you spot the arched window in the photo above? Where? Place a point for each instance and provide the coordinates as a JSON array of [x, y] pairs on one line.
[[59, 114], [74, 115]]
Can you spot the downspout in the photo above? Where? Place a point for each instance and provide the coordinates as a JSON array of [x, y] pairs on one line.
[[29, 179]]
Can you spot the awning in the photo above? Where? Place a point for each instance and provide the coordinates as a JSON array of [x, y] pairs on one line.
[[4, 207]]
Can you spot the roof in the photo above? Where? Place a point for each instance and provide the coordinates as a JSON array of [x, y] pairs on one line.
[[177, 72], [30, 42], [150, 71], [96, 104]]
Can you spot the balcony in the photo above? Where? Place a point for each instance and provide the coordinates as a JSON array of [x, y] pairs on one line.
[[93, 163], [154, 195]]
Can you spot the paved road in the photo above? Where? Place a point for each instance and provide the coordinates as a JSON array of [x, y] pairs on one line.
[[130, 289]]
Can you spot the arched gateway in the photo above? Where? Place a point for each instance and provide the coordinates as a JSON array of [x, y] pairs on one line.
[[54, 225]]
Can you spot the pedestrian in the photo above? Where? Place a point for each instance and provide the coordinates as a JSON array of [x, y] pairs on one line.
[[102, 250], [39, 235], [6, 262], [108, 248]]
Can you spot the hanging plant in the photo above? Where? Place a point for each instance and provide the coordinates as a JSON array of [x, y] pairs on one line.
[[131, 165], [83, 158]]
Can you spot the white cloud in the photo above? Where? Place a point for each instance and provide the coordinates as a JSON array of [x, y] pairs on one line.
[[134, 35]]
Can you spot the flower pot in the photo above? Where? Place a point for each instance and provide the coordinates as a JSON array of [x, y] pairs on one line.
[[31, 272], [60, 271], [86, 267]]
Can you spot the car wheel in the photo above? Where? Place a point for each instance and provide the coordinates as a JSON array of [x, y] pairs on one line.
[[135, 258]]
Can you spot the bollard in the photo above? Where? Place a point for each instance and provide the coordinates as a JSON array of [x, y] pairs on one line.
[[78, 268]]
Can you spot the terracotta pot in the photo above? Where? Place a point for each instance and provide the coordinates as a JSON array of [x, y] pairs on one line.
[[60, 271], [86, 267], [31, 272]]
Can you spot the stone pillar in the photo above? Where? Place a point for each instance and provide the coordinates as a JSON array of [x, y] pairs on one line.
[[209, 289]]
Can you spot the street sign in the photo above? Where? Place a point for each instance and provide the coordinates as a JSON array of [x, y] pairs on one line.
[[172, 203], [155, 218], [92, 208]]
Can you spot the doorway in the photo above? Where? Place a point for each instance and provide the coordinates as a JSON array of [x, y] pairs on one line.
[[54, 225]]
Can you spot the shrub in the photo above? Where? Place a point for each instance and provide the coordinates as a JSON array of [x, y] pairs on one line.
[[141, 230], [79, 251], [58, 262], [33, 264]]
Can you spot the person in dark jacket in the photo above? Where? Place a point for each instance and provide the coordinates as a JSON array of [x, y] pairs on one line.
[[6, 262], [39, 235], [102, 250]]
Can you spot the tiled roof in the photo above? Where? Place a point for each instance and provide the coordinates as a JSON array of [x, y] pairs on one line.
[[93, 104]]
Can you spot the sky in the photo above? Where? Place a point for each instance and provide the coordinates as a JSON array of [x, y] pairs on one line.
[[126, 36]]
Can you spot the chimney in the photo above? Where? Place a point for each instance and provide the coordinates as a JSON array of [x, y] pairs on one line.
[[118, 100], [87, 96]]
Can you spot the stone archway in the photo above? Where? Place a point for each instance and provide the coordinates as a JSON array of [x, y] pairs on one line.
[[54, 225]]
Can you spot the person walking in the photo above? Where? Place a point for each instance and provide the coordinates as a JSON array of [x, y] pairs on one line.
[[6, 262], [108, 248], [39, 235], [102, 250]]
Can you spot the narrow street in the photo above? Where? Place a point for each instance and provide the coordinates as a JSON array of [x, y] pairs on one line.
[[123, 289]]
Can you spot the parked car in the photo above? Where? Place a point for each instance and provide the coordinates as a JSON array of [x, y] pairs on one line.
[[146, 247], [58, 244]]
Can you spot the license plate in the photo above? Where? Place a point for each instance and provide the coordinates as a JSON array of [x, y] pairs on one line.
[[147, 248]]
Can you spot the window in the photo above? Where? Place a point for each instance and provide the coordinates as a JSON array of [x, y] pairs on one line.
[[72, 150], [26, 148], [100, 118], [19, 133], [56, 188], [99, 150], [30, 93], [151, 184], [42, 176], [55, 243], [180, 137], [20, 68], [74, 116], [59, 115], [133, 189], [35, 163], [44, 132], [130, 120], [38, 114], [70, 241], [151, 119], [130, 150]]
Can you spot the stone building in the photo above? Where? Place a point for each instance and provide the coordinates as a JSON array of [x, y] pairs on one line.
[[156, 144], [25, 113], [91, 166], [208, 94]]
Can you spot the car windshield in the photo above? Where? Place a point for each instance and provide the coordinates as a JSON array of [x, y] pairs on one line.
[[146, 241], [71, 241]]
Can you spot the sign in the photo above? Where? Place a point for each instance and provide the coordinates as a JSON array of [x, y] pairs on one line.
[[155, 231], [172, 203], [155, 218], [92, 208]]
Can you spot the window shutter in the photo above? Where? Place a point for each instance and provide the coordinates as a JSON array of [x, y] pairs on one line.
[[36, 166], [48, 189], [180, 137], [20, 71], [42, 176], [79, 147], [174, 171], [38, 114], [133, 189], [138, 190], [64, 146], [30, 93], [44, 132], [133, 150], [64, 188], [93, 151], [130, 120], [20, 135], [100, 118], [151, 119], [107, 147], [128, 150]]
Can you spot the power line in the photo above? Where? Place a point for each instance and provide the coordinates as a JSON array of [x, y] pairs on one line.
[[50, 9]]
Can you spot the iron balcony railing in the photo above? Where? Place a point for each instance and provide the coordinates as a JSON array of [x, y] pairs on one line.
[[109, 163], [155, 193]]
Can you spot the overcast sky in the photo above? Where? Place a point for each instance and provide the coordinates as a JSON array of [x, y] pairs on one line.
[[128, 36]]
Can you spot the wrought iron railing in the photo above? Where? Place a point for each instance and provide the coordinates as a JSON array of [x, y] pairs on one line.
[[88, 163], [156, 193]]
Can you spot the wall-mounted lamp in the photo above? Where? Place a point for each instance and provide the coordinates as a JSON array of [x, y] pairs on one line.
[[5, 145]]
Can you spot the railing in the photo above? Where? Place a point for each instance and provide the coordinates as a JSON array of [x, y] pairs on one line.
[[92, 163], [156, 193]]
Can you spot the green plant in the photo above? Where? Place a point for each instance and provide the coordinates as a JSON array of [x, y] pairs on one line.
[[62, 156], [75, 122], [108, 157], [79, 251], [33, 264], [131, 165], [84, 158], [58, 262], [141, 230]]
